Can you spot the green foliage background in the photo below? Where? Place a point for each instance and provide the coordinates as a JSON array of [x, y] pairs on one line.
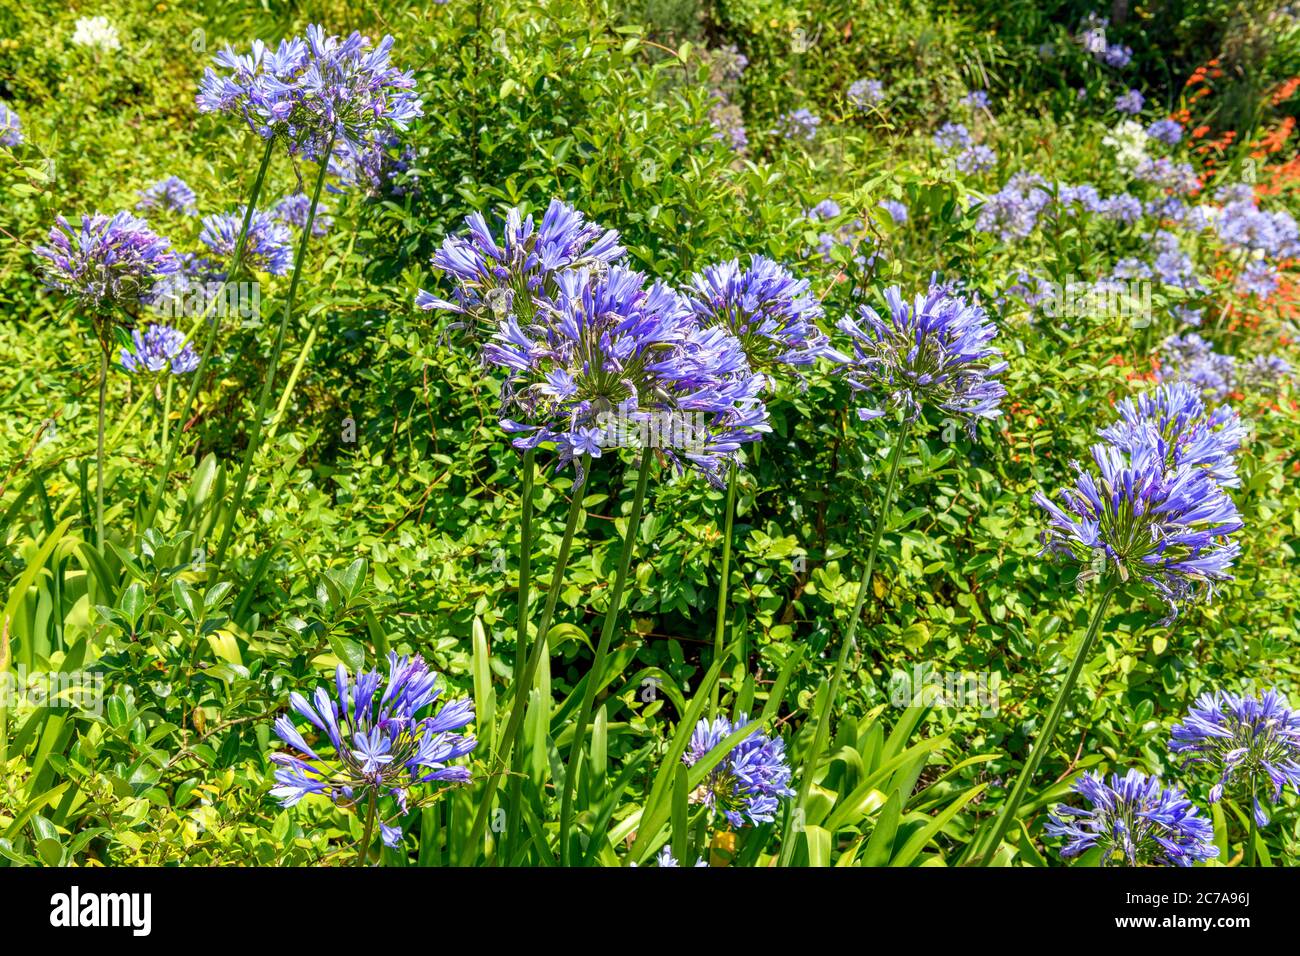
[[408, 537]]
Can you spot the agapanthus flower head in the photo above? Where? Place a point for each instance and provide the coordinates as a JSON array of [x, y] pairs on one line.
[[1242, 225], [1190, 358], [951, 136], [160, 348], [665, 858], [1252, 743], [976, 158], [1190, 435], [267, 248], [382, 165], [1265, 373], [745, 786], [1117, 56], [380, 737], [976, 100], [800, 123], [1167, 131], [935, 350], [771, 312], [293, 210], [1134, 821], [1259, 278], [1130, 102], [1141, 519], [864, 94], [517, 273], [1013, 210], [11, 127], [728, 121], [614, 362], [171, 193], [314, 90], [897, 210], [108, 261]]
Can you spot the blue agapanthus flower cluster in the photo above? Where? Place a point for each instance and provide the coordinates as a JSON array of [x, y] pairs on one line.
[[864, 94], [11, 127], [160, 347], [897, 210], [314, 89], [172, 193], [384, 738], [1190, 358], [800, 123], [1190, 435], [1154, 510], [267, 248], [108, 261], [976, 158], [1167, 131], [519, 272], [293, 210], [772, 313], [1134, 821], [1265, 373], [951, 136], [745, 786], [1130, 102], [1252, 743], [1243, 225], [613, 361], [933, 351], [1259, 279], [1013, 211]]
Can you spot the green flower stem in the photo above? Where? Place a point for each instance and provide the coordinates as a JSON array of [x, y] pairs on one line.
[[521, 617], [1043, 742], [720, 626], [264, 400], [214, 325], [368, 833], [1250, 854], [823, 719], [99, 450], [602, 651], [524, 682]]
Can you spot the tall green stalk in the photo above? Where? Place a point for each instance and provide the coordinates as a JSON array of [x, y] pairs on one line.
[[720, 626], [1043, 742], [214, 325], [99, 449], [823, 718], [264, 400], [369, 831], [521, 613], [524, 682], [602, 651], [1250, 854]]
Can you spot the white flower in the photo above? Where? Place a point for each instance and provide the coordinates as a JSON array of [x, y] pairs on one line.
[[96, 32], [1129, 141]]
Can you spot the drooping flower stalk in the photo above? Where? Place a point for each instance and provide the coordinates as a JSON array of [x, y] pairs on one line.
[[255, 435], [209, 343], [579, 743]]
